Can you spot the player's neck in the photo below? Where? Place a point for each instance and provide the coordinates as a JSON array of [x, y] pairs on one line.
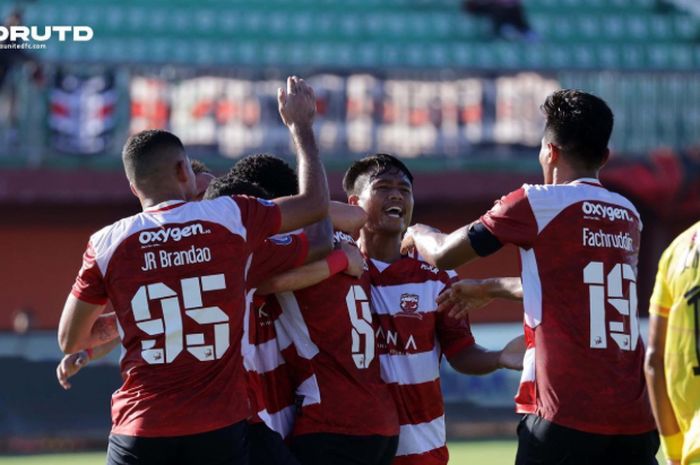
[[153, 200], [565, 175], [382, 247]]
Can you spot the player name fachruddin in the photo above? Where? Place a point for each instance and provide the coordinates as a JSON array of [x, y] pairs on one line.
[[165, 259], [602, 239]]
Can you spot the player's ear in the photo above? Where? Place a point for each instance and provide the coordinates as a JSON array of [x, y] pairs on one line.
[[133, 190], [553, 154], [354, 199], [181, 171]]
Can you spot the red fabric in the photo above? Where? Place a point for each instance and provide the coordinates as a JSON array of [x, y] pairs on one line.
[[511, 220], [191, 381], [354, 400], [89, 285]]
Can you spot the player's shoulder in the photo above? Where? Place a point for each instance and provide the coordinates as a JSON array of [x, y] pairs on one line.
[[679, 247], [114, 233]]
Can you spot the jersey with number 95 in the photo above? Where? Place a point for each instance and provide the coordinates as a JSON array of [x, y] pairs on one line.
[[176, 274], [579, 246]]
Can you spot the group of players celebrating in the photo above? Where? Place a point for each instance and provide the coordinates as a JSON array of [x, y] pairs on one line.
[[261, 323]]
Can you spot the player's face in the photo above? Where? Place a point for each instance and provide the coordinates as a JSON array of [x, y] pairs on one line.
[[202, 181], [388, 201]]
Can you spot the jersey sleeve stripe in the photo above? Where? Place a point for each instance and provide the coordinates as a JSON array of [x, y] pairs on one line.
[[532, 288]]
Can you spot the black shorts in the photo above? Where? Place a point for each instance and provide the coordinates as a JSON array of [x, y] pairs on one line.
[[344, 449], [225, 446], [267, 447], [542, 442]]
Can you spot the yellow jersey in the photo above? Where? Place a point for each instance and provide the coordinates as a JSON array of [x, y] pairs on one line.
[[677, 295]]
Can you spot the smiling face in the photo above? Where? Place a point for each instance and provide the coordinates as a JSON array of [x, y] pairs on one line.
[[388, 200]]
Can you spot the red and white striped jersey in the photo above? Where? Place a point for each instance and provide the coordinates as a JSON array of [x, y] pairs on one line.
[[176, 277], [411, 339], [579, 246], [271, 384]]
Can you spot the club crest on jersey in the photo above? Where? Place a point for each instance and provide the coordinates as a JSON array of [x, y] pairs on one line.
[[409, 306]]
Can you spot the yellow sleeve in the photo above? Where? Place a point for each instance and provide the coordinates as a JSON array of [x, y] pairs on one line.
[[661, 299]]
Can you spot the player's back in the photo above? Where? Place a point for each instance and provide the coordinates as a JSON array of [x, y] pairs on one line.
[[331, 324], [678, 290], [175, 275], [584, 363]]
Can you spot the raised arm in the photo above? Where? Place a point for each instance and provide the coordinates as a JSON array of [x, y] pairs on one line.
[[297, 106], [347, 218], [444, 251]]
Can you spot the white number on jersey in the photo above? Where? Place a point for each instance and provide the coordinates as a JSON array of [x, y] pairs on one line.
[[594, 276], [361, 326], [171, 323]]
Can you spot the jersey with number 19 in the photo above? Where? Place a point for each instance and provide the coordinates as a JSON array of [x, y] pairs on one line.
[[579, 246], [176, 276]]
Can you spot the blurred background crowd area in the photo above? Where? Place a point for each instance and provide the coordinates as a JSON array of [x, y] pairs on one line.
[[452, 87]]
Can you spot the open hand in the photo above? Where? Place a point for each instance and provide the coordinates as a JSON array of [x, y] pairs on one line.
[[297, 104], [463, 297]]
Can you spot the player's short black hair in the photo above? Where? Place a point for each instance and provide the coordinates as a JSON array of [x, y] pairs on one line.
[[199, 167], [269, 172], [580, 124], [145, 152], [233, 185], [372, 166]]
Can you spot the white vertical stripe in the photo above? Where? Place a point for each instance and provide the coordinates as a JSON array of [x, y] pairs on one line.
[[532, 288], [292, 321], [247, 349], [528, 366], [421, 438], [281, 422], [410, 368], [267, 356]]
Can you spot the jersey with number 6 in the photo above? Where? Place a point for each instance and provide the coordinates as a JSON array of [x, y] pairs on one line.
[[579, 246], [331, 326], [176, 276]]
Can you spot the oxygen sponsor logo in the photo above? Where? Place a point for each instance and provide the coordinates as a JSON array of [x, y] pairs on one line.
[[608, 212], [174, 233]]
